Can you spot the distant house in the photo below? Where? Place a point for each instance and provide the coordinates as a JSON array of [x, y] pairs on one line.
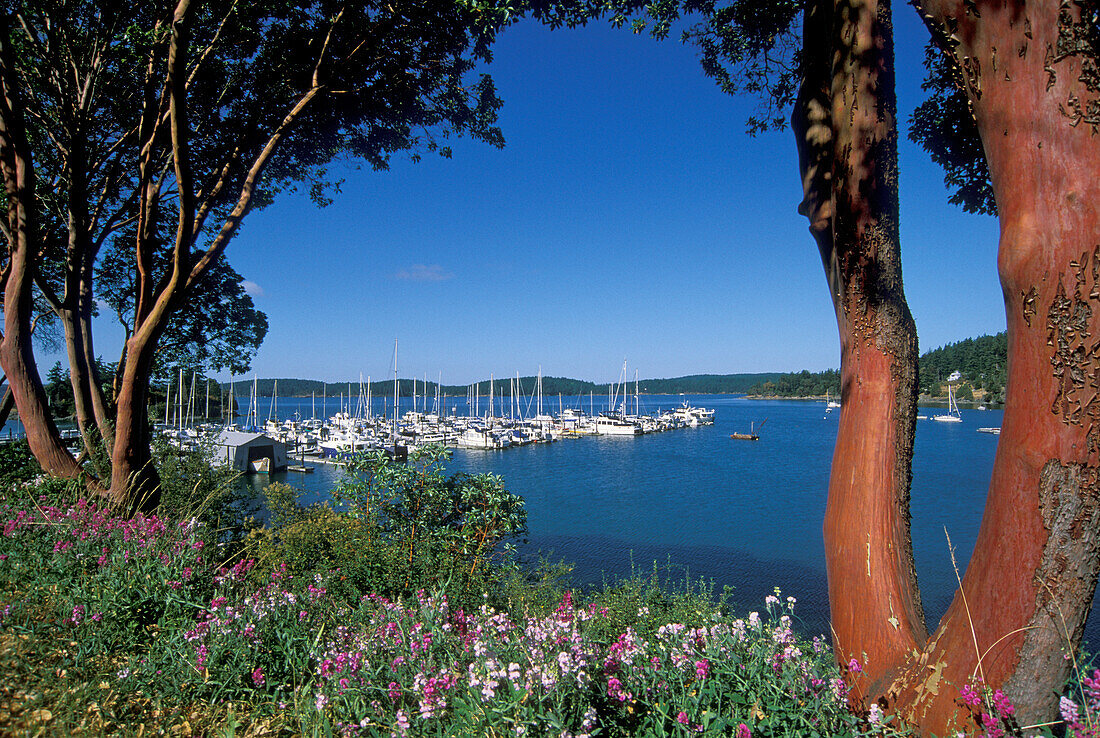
[[249, 452]]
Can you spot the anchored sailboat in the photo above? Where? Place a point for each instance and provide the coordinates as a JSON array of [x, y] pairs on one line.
[[952, 415]]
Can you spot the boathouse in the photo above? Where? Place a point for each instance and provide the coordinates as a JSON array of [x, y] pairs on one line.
[[249, 452]]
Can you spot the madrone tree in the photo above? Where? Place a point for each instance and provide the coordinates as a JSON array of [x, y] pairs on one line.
[[1030, 78], [170, 121]]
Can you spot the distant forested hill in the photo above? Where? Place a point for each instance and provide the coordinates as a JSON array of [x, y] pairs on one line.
[[694, 384], [981, 362], [801, 384]]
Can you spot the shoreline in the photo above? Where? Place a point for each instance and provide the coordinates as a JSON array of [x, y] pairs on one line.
[[922, 401]]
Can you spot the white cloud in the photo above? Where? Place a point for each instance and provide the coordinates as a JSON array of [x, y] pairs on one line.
[[424, 273], [252, 288]]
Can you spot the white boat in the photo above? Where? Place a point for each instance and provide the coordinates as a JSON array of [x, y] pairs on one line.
[[994, 431], [483, 439], [952, 415], [692, 416], [829, 402], [610, 426]]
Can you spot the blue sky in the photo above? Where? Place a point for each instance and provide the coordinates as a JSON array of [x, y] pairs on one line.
[[628, 217]]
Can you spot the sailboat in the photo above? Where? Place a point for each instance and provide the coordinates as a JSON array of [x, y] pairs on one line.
[[952, 415]]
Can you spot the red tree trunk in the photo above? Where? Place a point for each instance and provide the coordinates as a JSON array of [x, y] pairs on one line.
[[135, 482], [1032, 79], [846, 130], [1031, 74], [17, 358], [16, 350], [78, 379]]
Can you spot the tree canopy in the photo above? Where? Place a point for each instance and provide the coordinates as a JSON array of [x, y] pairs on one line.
[[153, 130]]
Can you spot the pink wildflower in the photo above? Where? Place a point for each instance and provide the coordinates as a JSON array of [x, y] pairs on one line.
[[258, 676], [1002, 703], [743, 731], [970, 696], [854, 667], [682, 718]]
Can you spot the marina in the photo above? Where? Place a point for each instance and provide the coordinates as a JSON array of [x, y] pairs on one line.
[[498, 421]]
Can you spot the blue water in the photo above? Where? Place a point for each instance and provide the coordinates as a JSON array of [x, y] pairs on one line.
[[743, 514]]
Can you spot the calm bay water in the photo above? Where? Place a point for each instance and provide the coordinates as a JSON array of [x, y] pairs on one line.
[[743, 514]]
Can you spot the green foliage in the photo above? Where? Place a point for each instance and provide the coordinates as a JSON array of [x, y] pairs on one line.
[[944, 126], [401, 527], [59, 387], [192, 487], [801, 384], [646, 602], [702, 384], [114, 625], [218, 328], [59, 392], [17, 464], [752, 47], [982, 362]]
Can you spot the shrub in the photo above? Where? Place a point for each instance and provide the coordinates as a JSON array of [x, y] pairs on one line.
[[401, 527], [194, 486], [17, 464]]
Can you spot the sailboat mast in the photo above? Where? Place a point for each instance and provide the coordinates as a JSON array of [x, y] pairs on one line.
[[395, 393], [179, 402]]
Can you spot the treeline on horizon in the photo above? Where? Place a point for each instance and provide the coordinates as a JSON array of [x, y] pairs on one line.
[[982, 363], [696, 384]]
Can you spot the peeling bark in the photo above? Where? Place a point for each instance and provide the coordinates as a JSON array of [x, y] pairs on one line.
[[846, 132], [1030, 73]]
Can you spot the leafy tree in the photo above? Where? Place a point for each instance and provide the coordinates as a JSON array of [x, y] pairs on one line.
[[982, 361], [171, 121], [1029, 73], [218, 328], [59, 391], [944, 126], [802, 384], [407, 526]]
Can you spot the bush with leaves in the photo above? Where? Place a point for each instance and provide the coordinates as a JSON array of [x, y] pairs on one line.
[[17, 464], [400, 527], [193, 485]]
